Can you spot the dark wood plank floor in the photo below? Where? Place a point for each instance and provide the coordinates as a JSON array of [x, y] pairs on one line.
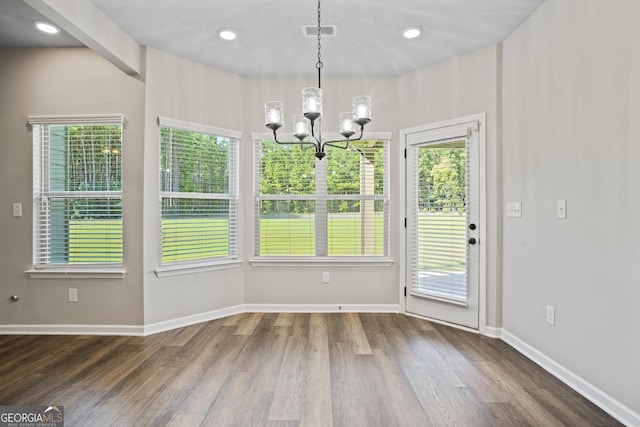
[[290, 370]]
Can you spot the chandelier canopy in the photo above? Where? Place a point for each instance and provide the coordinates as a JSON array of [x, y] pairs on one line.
[[304, 124]]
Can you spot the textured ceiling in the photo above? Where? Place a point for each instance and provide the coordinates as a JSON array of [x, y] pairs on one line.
[[271, 42]]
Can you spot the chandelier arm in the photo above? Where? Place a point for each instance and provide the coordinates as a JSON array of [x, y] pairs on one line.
[[347, 140], [275, 138], [318, 138], [334, 144], [346, 147]]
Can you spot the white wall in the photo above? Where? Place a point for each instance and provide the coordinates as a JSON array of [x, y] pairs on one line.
[[572, 131], [64, 81], [460, 87]]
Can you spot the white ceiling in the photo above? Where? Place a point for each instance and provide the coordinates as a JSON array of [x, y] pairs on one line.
[[270, 40]]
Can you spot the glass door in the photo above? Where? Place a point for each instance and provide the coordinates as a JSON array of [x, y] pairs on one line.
[[442, 225]]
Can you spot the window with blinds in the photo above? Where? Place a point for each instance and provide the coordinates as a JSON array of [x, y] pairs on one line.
[[77, 190], [198, 192], [334, 207]]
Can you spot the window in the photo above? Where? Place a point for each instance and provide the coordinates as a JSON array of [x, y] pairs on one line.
[[334, 207], [198, 192], [77, 190]]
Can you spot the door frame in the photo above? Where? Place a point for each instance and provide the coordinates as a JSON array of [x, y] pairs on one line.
[[479, 118]]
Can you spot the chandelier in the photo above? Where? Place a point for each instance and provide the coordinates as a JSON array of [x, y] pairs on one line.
[[304, 125]]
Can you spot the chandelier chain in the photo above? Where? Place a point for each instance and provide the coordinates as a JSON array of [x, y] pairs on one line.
[[319, 64]]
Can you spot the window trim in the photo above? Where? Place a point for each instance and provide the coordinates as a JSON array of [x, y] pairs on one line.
[[197, 267], [50, 272], [204, 264], [316, 260], [198, 127], [70, 271]]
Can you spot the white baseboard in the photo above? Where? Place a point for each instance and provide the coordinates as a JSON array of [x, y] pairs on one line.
[[181, 322], [492, 332], [619, 411], [322, 308], [442, 322], [167, 325], [120, 330]]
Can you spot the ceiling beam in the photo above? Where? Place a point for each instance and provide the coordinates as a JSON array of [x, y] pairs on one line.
[[89, 25]]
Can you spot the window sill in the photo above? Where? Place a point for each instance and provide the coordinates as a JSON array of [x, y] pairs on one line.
[[179, 269], [321, 262], [77, 273]]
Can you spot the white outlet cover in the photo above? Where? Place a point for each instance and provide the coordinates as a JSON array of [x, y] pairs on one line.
[[514, 209], [17, 209], [551, 315]]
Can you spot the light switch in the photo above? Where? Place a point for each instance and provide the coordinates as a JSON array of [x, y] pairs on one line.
[[514, 209], [17, 209], [562, 209]]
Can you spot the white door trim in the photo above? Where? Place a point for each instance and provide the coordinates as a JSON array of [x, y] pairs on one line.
[[480, 118]]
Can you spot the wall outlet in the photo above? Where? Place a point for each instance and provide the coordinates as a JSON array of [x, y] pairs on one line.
[[514, 209], [325, 277], [17, 209], [73, 295], [551, 315]]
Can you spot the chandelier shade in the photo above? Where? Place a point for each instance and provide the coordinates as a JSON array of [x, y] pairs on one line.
[[273, 112], [301, 127], [312, 102]]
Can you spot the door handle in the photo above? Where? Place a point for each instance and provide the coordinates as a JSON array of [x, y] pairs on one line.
[[472, 241]]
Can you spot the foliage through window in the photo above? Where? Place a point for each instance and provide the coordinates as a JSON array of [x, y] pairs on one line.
[[77, 191], [443, 170], [337, 206], [198, 190]]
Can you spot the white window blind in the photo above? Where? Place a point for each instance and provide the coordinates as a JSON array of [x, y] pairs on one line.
[[198, 192], [439, 250], [335, 207], [77, 190]]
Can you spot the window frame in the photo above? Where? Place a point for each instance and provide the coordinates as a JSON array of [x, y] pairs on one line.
[[173, 268], [39, 270], [320, 260]]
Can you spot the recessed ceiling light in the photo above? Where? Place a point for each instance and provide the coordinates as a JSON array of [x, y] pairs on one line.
[[46, 27], [411, 32], [227, 33]]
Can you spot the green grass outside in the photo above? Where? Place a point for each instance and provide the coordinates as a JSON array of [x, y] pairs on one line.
[[294, 237], [449, 233], [194, 238], [94, 241]]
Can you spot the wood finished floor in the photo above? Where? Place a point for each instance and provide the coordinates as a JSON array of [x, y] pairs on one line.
[[290, 370]]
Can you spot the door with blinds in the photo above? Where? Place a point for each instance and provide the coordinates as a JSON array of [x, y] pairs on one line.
[[443, 223]]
